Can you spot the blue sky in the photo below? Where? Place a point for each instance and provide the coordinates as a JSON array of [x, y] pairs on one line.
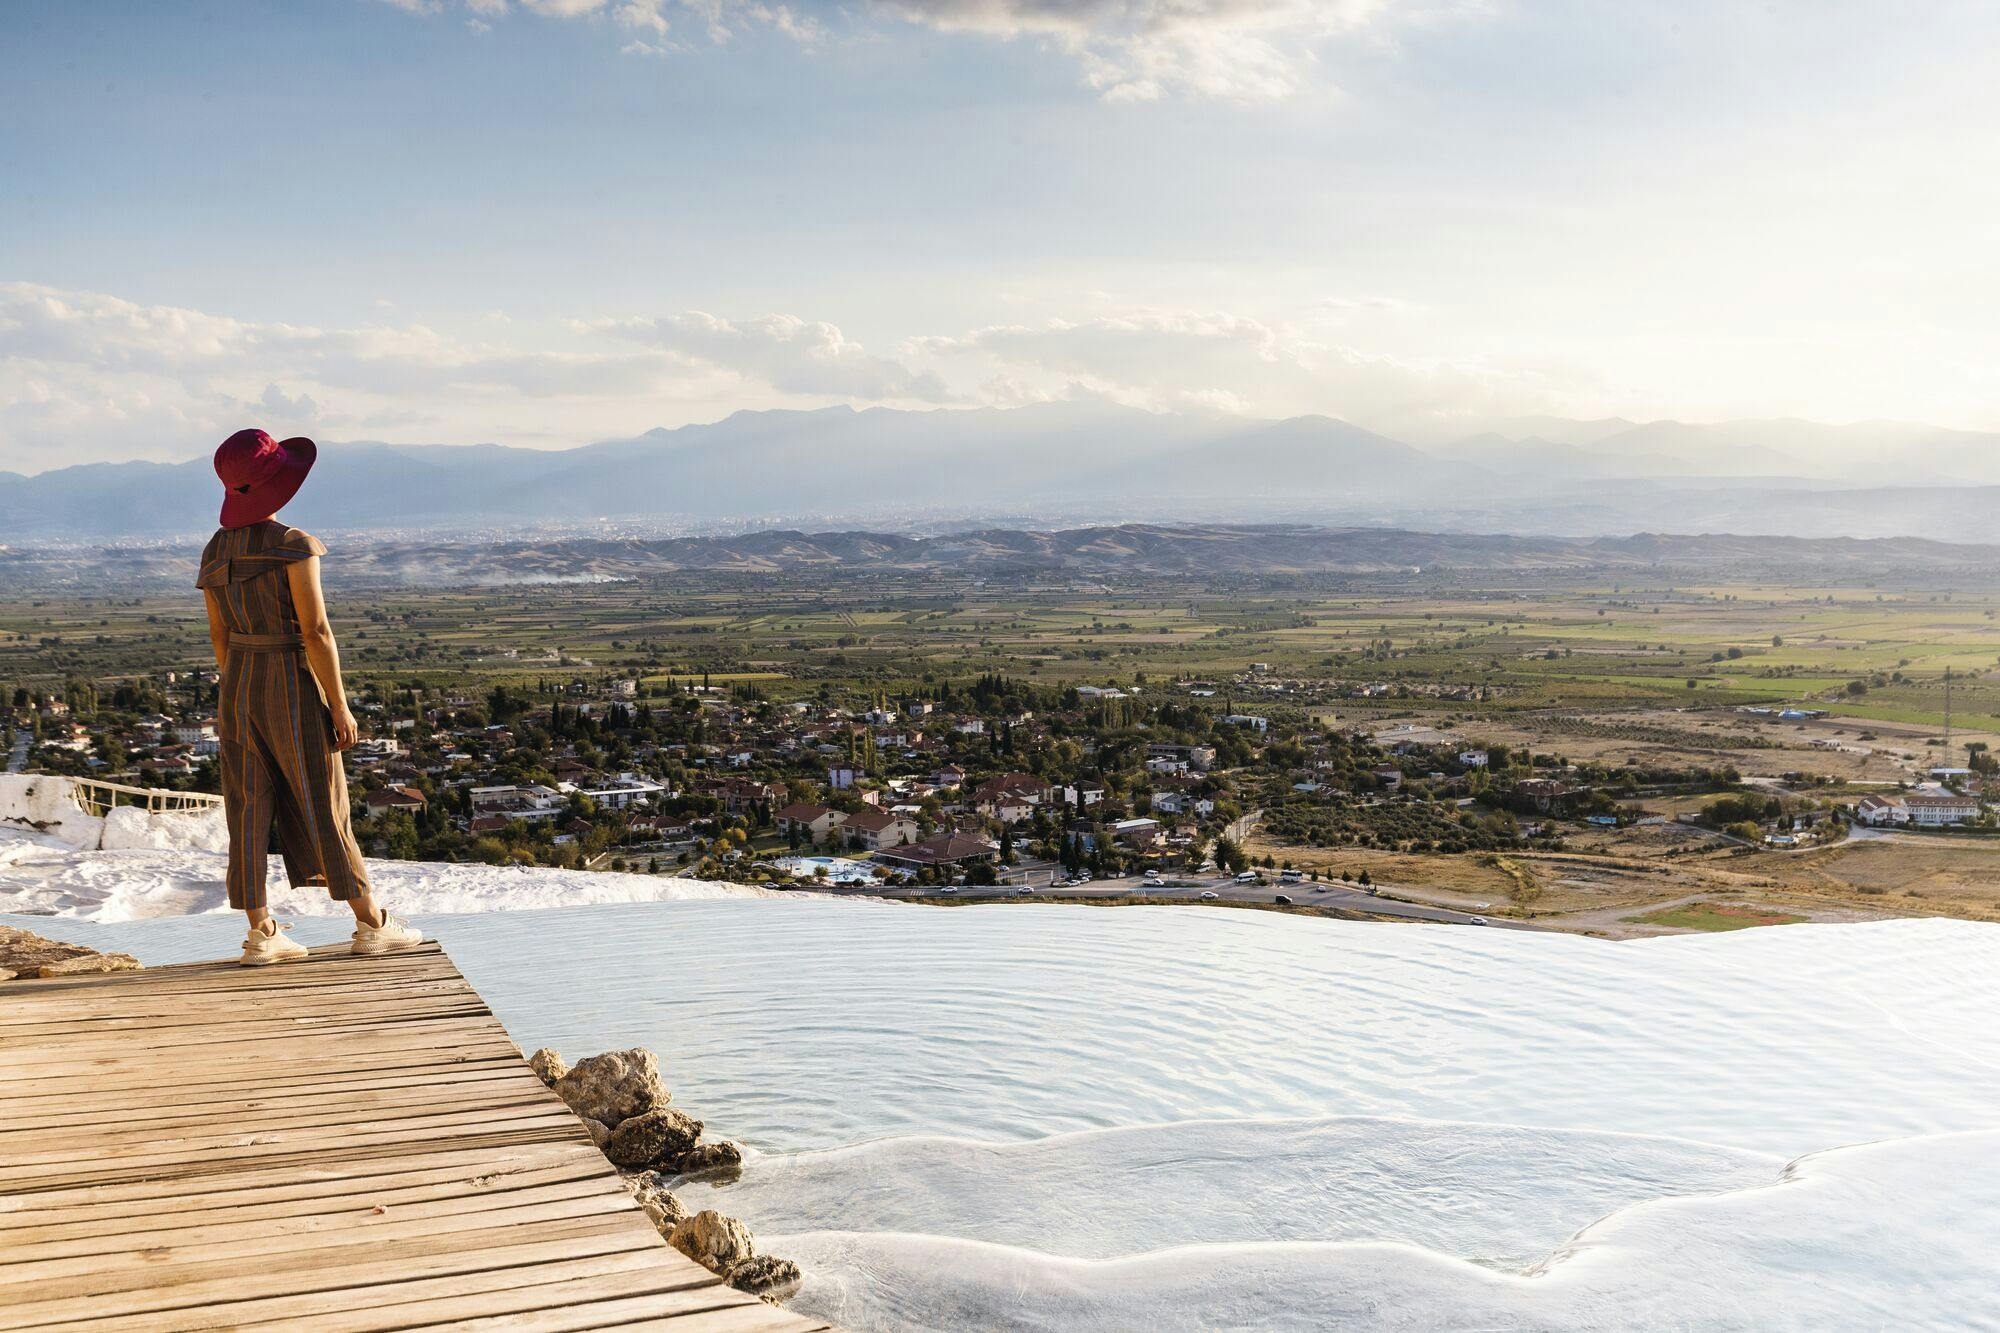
[[550, 221]]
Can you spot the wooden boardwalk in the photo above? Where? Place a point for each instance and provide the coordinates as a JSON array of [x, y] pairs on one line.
[[340, 1143]]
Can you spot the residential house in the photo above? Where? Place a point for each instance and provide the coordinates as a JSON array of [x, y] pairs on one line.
[[1881, 811], [393, 798], [880, 829], [813, 823]]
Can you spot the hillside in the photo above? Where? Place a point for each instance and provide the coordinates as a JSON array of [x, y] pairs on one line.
[[1079, 462], [1135, 550]]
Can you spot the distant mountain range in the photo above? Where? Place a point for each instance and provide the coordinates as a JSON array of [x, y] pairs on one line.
[[1109, 553], [1069, 461]]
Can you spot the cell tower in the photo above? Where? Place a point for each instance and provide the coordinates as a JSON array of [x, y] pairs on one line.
[[1946, 761]]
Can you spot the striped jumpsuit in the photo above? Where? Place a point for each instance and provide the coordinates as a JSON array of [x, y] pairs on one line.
[[279, 767]]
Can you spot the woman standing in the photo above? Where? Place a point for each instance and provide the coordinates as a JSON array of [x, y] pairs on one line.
[[282, 717]]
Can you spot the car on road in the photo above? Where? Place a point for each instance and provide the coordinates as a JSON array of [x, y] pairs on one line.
[[1152, 874], [1283, 900], [949, 888], [1025, 888], [1209, 895], [1477, 920]]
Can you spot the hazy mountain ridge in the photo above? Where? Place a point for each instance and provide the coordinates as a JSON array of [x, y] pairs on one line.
[[1135, 550], [1082, 460]]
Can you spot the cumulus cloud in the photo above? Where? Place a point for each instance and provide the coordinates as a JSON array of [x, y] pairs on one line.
[[1128, 50], [1146, 49], [789, 354]]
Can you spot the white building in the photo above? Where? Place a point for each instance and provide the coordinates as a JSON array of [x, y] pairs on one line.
[[622, 792], [1941, 811]]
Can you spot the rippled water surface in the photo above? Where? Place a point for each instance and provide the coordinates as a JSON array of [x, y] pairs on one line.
[[1018, 1116]]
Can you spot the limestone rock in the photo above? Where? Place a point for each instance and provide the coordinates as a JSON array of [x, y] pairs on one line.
[[613, 1087], [7, 974], [26, 954], [765, 1275], [600, 1133], [715, 1242], [548, 1065], [96, 962], [707, 1159], [661, 1204], [653, 1136]]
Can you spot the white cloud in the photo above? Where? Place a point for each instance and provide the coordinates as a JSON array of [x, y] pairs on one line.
[[1169, 360], [1128, 50], [87, 376], [1249, 50], [643, 16], [789, 354]]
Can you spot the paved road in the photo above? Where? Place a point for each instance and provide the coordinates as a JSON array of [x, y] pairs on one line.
[[18, 760], [1304, 894]]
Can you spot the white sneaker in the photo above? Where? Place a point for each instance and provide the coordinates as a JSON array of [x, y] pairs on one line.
[[261, 948], [387, 937]]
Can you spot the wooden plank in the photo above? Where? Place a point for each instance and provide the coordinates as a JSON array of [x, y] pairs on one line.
[[356, 1266], [302, 1071], [165, 1166], [291, 1311], [245, 1115], [515, 1298], [711, 1310], [431, 1228], [119, 1054], [164, 1109], [140, 1153], [365, 1210], [475, 1167], [346, 1143], [114, 1224]]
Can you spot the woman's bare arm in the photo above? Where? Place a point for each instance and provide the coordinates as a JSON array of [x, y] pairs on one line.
[[322, 654], [218, 633]]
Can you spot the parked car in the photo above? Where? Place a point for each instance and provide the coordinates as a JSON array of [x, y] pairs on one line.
[[1292, 876], [1247, 877]]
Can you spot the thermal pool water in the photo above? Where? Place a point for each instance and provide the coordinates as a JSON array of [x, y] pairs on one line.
[[1063, 1118]]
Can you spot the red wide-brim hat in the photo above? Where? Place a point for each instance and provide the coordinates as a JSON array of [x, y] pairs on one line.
[[259, 474]]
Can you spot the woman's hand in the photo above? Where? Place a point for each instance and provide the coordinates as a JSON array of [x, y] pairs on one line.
[[345, 733]]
